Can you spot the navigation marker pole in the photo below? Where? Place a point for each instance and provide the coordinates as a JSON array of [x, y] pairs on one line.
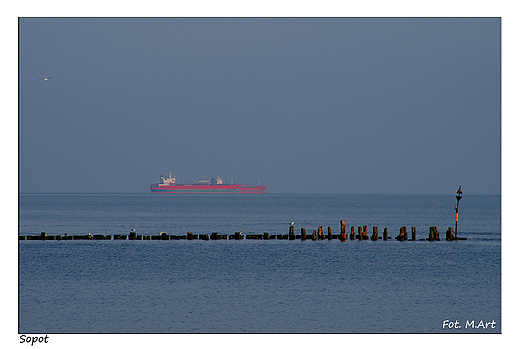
[[459, 196]]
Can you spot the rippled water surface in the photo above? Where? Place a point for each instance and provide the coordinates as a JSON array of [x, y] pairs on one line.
[[250, 286]]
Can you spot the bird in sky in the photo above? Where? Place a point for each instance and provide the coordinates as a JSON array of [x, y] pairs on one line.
[[45, 78]]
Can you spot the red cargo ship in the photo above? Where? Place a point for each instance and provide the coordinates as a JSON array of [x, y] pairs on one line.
[[168, 185]]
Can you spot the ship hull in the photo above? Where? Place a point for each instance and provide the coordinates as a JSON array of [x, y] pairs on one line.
[[205, 189]]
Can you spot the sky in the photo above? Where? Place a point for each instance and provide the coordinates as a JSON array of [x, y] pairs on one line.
[[302, 105]]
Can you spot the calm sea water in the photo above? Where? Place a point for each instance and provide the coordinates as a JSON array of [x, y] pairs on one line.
[[257, 286]]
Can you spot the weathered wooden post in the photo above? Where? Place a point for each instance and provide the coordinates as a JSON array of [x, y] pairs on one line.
[[304, 234], [403, 234], [329, 233], [413, 233], [360, 233], [434, 234], [314, 237], [189, 235], [449, 234], [343, 230], [343, 225], [133, 235], [352, 233], [291, 232], [385, 234], [320, 232], [266, 236], [374, 236]]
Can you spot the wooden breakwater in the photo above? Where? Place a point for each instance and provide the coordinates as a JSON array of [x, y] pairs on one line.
[[317, 235]]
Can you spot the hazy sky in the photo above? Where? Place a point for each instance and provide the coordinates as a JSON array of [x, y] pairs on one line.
[[303, 105]]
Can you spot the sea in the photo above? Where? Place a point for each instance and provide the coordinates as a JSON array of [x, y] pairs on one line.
[[258, 286]]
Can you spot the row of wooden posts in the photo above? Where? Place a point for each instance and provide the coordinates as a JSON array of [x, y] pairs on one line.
[[362, 234]]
